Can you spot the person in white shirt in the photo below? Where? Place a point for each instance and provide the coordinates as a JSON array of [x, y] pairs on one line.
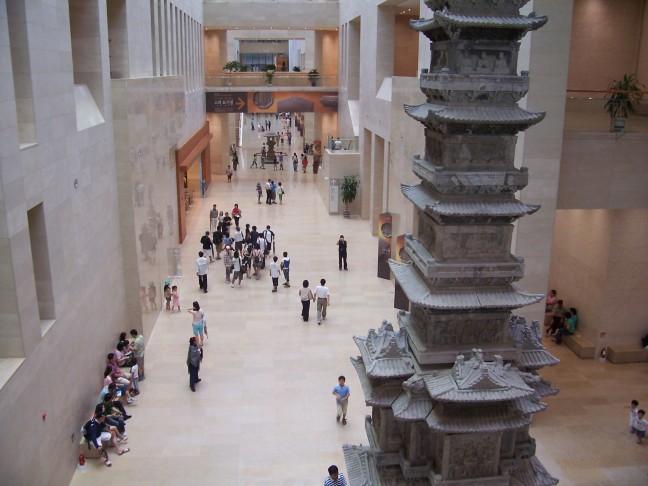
[[268, 235], [238, 269], [202, 267], [323, 300], [238, 239], [275, 272]]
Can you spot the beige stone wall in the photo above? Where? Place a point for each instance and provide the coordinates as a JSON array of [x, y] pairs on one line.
[[606, 40], [55, 366], [603, 171], [598, 266], [406, 45], [260, 15], [546, 53], [61, 372]]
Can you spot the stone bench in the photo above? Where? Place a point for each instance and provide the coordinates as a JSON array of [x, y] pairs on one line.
[[580, 345], [624, 353]]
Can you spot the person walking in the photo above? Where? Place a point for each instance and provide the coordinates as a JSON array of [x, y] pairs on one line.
[[304, 162], [207, 246], [213, 218], [305, 295], [285, 267], [228, 261], [295, 161], [269, 236], [229, 173], [280, 193], [259, 192], [194, 357], [238, 269], [239, 237], [342, 252], [237, 214], [342, 394], [275, 271], [254, 162], [202, 267], [323, 300]]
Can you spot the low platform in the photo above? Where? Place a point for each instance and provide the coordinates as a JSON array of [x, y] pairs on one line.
[[619, 354], [580, 345]]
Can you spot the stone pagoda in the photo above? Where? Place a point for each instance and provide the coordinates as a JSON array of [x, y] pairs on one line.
[[453, 390]]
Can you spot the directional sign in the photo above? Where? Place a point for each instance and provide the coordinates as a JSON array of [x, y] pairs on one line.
[[226, 102]]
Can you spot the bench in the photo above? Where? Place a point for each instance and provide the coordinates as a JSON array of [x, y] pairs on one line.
[[580, 346], [627, 353]]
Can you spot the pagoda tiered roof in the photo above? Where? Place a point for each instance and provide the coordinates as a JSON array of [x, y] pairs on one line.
[[414, 403], [529, 405], [473, 114], [451, 22], [489, 417], [477, 381], [378, 394], [478, 6], [418, 292], [458, 206], [528, 339], [384, 353]]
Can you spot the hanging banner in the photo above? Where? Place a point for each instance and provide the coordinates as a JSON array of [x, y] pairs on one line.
[[384, 244], [269, 102]]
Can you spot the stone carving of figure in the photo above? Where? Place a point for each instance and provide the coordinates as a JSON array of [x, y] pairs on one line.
[[485, 63], [501, 64], [467, 63]]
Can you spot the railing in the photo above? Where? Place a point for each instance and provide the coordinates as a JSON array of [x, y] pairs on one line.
[[342, 145], [281, 79]]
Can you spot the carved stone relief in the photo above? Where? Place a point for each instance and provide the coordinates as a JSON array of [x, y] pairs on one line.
[[470, 456]]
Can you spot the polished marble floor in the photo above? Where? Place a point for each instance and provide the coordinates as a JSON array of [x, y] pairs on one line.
[[264, 414]]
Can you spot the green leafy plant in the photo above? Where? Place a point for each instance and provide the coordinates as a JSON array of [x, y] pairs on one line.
[[349, 191], [624, 95], [313, 76], [232, 66]]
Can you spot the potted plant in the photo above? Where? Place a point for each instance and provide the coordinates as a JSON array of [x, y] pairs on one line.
[[269, 73], [621, 100], [313, 76], [230, 67], [349, 191], [296, 69]]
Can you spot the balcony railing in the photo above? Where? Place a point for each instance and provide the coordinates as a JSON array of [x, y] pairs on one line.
[[281, 79]]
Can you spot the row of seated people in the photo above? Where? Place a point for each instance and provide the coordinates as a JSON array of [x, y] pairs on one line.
[[563, 322], [120, 386]]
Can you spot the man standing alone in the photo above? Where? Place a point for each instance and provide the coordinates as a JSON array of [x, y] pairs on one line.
[[202, 267], [342, 252], [323, 300], [213, 219]]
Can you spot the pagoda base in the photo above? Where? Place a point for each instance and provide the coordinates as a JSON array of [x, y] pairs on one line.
[[381, 458], [427, 356], [437, 480]]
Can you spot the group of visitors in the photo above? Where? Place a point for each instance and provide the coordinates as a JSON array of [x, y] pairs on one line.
[[563, 322], [272, 189], [124, 370]]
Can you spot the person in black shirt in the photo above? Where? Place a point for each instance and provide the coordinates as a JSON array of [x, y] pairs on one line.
[[227, 222], [218, 241], [208, 246], [342, 252], [97, 430]]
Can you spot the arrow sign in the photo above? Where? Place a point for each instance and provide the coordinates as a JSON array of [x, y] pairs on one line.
[[219, 102]]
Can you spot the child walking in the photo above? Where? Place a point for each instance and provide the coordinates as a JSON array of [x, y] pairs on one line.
[[634, 408], [640, 424], [342, 394], [175, 298]]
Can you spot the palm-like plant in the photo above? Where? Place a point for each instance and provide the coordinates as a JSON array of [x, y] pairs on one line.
[[349, 191], [623, 96]]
